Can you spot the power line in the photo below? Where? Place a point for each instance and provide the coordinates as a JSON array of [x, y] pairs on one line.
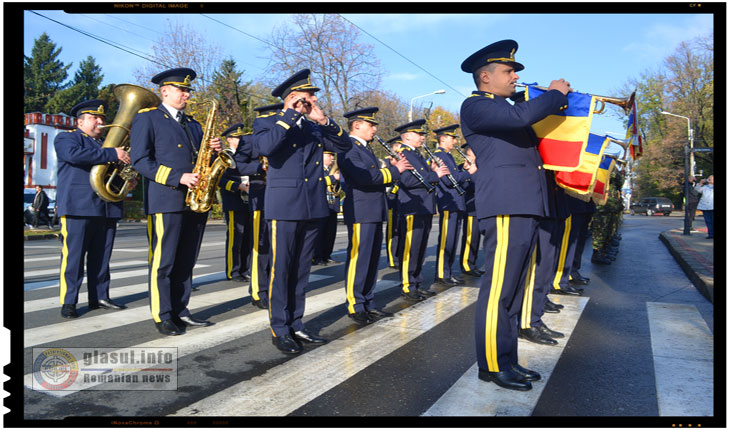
[[401, 55]]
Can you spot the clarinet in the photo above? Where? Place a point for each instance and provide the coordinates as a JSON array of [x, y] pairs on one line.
[[440, 164], [397, 157]]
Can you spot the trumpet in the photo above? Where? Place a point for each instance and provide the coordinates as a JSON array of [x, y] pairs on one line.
[[625, 103], [440, 163], [391, 153]]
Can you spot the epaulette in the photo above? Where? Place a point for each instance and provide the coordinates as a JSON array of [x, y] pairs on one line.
[[486, 94], [146, 110], [270, 114], [401, 149]]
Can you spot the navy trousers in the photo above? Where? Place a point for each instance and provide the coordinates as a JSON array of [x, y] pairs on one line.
[[566, 252], [541, 274], [412, 249], [238, 242], [509, 241], [292, 246], [470, 238], [90, 239], [391, 241], [361, 269], [174, 240], [449, 226], [259, 261], [326, 239], [580, 223]]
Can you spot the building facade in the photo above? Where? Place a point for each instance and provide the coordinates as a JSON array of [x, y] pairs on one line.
[[39, 155]]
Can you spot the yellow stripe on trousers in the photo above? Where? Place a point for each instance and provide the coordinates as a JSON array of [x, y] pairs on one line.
[[529, 290], [149, 239], [157, 256], [391, 260], [498, 268], [563, 253], [229, 250], [467, 246], [352, 268], [255, 256], [442, 245], [273, 267], [64, 258], [406, 254]]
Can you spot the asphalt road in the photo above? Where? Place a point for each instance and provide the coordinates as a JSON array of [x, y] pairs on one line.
[[605, 369]]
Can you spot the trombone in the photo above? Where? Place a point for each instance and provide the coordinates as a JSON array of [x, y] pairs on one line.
[[625, 103]]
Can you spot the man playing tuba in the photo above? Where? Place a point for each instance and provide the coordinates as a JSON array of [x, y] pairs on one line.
[[164, 149]]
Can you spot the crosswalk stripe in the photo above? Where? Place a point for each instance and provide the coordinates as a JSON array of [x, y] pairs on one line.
[[39, 285], [291, 385], [682, 346], [197, 340], [470, 396], [55, 270]]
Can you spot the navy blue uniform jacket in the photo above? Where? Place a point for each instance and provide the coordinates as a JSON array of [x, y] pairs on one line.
[[161, 151], [295, 186], [77, 153], [364, 185], [447, 198], [512, 181], [247, 164], [413, 199]]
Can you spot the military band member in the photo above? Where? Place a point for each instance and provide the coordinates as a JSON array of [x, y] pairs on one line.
[[543, 264], [365, 210], [164, 149], [416, 207], [581, 212], [250, 163], [325, 243], [451, 206], [510, 199], [470, 235], [391, 230], [295, 199], [234, 204], [88, 223]]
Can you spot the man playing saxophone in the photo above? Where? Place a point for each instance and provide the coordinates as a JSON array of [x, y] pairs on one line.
[[164, 148]]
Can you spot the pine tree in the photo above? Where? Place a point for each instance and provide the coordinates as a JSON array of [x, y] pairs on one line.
[[84, 86], [44, 74]]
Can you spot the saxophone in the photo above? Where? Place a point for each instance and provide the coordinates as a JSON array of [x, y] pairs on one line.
[[200, 198]]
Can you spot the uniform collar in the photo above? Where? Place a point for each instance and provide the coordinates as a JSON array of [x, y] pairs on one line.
[[483, 93], [171, 110], [360, 141]]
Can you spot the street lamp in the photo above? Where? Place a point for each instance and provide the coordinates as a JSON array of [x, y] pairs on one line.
[[410, 108], [688, 161]]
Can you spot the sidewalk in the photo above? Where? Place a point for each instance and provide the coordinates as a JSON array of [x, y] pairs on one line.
[[695, 255]]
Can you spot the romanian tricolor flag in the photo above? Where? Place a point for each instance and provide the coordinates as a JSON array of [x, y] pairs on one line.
[[603, 176], [582, 180], [632, 133], [563, 136]]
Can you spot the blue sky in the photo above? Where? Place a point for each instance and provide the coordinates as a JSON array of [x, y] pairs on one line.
[[596, 53]]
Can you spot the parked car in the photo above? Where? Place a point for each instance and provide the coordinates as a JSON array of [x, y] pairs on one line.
[[28, 214], [652, 205]]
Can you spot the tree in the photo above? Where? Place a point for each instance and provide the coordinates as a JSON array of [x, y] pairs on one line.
[[346, 70], [43, 74], [84, 86]]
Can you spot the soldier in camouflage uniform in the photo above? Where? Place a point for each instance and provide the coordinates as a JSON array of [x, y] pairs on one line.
[[606, 221]]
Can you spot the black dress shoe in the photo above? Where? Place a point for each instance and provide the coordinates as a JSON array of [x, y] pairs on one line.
[[69, 311], [377, 314], [446, 281], [237, 279], [246, 277], [412, 296], [458, 281], [567, 291], [577, 275], [188, 320], [287, 344], [106, 304], [262, 303], [506, 379], [550, 333], [557, 306], [362, 318], [169, 328], [534, 335], [303, 335], [425, 293], [527, 374], [598, 258], [473, 273], [330, 260], [550, 308]]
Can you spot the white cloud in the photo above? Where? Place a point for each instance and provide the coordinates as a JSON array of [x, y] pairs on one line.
[[661, 39], [405, 76]]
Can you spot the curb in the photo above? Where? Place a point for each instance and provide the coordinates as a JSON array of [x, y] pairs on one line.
[[43, 236], [704, 284]]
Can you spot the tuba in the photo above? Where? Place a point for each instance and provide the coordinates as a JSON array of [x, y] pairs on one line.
[[200, 198], [111, 181]]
